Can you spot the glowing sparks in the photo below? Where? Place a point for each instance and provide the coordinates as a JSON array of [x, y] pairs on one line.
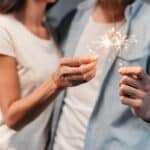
[[113, 39]]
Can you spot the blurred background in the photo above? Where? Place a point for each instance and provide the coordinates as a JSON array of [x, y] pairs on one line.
[[64, 6]]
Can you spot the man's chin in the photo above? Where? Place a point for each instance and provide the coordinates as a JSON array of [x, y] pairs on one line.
[[114, 4]]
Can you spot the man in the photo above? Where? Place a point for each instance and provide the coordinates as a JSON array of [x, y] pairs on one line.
[[112, 112]]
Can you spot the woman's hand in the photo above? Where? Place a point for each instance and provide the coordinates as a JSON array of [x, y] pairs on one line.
[[75, 71], [16, 109], [135, 91]]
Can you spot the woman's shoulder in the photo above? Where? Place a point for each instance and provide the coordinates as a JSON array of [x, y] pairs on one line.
[[6, 20], [7, 23]]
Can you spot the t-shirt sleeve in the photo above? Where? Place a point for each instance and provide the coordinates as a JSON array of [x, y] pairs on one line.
[[6, 43]]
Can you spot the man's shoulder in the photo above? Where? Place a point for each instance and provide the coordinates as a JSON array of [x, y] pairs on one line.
[[143, 18], [145, 12]]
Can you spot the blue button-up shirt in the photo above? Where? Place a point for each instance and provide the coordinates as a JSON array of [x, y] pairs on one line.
[[112, 126]]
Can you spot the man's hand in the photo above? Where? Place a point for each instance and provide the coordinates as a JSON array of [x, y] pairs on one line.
[[134, 90]]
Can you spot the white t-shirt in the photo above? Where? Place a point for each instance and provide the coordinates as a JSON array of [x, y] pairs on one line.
[[37, 60], [79, 101]]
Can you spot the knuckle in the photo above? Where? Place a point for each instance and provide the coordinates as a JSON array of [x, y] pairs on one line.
[[138, 104], [81, 70], [141, 70], [63, 70], [84, 77], [122, 88], [122, 99], [124, 79]]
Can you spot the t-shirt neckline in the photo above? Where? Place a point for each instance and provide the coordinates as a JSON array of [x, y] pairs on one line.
[[34, 36]]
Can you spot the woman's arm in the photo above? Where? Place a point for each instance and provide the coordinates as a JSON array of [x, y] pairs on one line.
[[18, 111]]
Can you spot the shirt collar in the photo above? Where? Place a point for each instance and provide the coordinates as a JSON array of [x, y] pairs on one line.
[[133, 9]]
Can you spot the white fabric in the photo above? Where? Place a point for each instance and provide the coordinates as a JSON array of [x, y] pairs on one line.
[[80, 101], [37, 59]]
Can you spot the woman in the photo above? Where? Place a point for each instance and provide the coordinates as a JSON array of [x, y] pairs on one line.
[[29, 76]]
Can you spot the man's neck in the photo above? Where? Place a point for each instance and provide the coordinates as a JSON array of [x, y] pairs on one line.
[[104, 15]]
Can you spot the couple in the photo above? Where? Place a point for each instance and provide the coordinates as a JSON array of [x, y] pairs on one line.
[[94, 103]]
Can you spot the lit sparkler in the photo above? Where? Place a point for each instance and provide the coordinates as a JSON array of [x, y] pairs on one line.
[[112, 39]]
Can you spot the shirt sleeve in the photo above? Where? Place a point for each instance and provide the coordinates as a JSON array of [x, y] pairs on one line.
[[6, 43]]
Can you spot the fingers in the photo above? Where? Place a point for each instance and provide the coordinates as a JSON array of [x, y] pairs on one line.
[[90, 75], [140, 79], [131, 71], [75, 71], [65, 70], [82, 78], [131, 92], [127, 80], [72, 62], [134, 90], [135, 103]]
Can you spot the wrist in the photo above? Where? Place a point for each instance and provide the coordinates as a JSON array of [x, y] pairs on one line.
[[55, 81]]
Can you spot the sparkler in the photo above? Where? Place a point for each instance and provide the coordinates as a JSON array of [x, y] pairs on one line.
[[112, 39]]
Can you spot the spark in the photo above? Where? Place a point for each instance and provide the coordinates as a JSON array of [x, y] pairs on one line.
[[112, 39]]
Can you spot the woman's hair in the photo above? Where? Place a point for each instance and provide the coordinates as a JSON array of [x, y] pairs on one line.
[[9, 6]]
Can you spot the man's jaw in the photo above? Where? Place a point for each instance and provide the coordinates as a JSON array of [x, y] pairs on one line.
[[114, 4]]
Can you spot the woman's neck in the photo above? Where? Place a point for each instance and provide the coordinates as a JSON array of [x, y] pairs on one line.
[[104, 15], [32, 14]]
